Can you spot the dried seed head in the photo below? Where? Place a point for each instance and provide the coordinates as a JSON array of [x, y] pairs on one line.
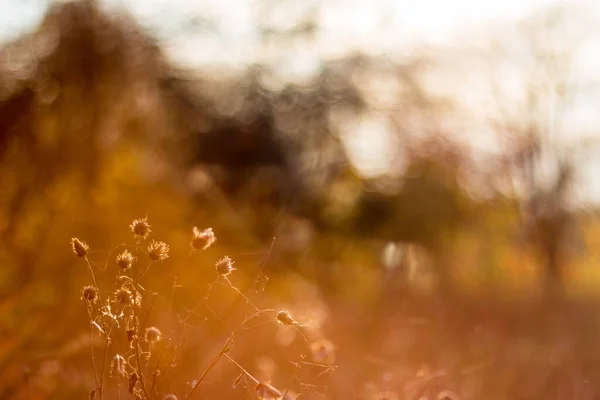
[[124, 260], [117, 366], [323, 352], [79, 248], [140, 228], [284, 317], [225, 266], [153, 334], [123, 296], [202, 240], [265, 391], [170, 397], [158, 251], [89, 293]]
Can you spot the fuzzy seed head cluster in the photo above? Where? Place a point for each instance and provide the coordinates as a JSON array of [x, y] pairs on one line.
[[79, 248], [124, 260], [202, 240], [117, 366], [140, 228], [152, 335], [266, 391], [158, 251], [225, 266], [89, 293]]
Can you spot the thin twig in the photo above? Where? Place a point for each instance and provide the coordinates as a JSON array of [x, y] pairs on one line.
[[184, 320], [225, 349], [248, 374]]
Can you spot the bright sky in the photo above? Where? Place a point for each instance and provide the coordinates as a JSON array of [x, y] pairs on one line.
[[385, 24], [375, 26]]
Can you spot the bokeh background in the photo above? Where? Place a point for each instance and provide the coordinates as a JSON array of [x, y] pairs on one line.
[[418, 181]]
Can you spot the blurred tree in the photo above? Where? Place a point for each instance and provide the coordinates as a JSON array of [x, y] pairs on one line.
[[532, 120]]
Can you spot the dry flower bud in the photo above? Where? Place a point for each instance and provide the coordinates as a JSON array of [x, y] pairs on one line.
[[124, 260], [202, 240], [158, 251], [89, 293], [140, 228], [225, 266], [123, 296], [117, 366], [265, 391], [79, 248], [153, 334], [284, 317]]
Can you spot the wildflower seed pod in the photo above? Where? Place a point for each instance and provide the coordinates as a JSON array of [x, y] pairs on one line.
[[284, 317], [117, 367], [202, 240], [265, 391], [79, 248], [123, 297], [89, 293], [158, 251], [140, 228], [124, 260], [152, 335], [225, 266]]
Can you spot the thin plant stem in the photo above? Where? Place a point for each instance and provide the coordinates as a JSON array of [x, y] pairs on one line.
[[193, 311], [248, 374], [225, 349], [91, 271]]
